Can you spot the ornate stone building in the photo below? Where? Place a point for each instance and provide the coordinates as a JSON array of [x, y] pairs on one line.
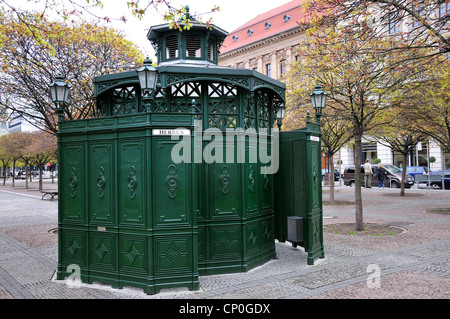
[[267, 43]]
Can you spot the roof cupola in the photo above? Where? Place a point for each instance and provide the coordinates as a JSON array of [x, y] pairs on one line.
[[197, 44]]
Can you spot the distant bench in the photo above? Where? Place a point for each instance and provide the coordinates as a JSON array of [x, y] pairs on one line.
[[50, 193]]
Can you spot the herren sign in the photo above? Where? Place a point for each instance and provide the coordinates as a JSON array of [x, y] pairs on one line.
[[171, 132]]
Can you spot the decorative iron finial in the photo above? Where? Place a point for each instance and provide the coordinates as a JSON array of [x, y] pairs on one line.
[[188, 15]]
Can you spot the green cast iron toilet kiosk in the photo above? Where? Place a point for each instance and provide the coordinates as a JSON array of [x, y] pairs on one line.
[[171, 181]]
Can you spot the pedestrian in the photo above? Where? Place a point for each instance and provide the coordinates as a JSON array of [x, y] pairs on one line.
[[368, 174], [381, 175]]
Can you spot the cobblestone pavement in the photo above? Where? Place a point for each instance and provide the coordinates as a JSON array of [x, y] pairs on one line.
[[412, 265]]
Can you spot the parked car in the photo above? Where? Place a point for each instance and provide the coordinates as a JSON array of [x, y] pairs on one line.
[[414, 170], [438, 184], [393, 179], [336, 173]]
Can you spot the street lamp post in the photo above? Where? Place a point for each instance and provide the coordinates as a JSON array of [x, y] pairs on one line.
[[280, 116], [318, 98], [59, 91], [147, 78]]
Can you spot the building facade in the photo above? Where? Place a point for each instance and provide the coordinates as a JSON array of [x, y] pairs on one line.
[[20, 124], [418, 156], [269, 43]]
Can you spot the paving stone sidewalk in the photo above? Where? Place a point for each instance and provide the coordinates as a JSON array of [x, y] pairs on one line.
[[414, 264]]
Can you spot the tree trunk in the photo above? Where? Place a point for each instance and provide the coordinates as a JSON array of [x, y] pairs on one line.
[[443, 168], [40, 178], [14, 173], [331, 164], [4, 175], [26, 176], [358, 197], [402, 186]]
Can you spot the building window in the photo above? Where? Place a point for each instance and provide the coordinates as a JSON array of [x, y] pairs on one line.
[[394, 23], [283, 68], [286, 18], [269, 70], [268, 25], [419, 11], [249, 32], [235, 38], [444, 9]]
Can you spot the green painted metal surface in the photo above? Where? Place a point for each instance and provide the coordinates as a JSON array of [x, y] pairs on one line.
[[299, 188], [131, 213], [125, 217], [131, 216]]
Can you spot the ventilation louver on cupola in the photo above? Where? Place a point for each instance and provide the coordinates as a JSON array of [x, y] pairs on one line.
[[193, 46], [171, 47]]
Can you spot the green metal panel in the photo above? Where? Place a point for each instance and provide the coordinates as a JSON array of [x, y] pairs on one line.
[[250, 180], [290, 181], [175, 260], [171, 186], [133, 260], [131, 183], [72, 251], [266, 184], [101, 184], [299, 188], [313, 228], [72, 186], [224, 191], [225, 249], [102, 256]]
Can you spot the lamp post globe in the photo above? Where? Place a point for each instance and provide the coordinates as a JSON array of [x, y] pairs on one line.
[[280, 115], [147, 77], [59, 90], [318, 98]]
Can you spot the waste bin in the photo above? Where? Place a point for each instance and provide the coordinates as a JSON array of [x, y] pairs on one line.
[[295, 230]]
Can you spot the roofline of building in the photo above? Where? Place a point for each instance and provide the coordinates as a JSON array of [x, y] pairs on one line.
[[261, 42], [246, 26]]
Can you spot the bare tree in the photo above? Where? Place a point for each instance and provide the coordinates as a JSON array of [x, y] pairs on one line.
[[77, 52], [362, 79]]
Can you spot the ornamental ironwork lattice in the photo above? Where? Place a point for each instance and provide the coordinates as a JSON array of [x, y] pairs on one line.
[[222, 106], [263, 106], [183, 95], [124, 100], [249, 111]]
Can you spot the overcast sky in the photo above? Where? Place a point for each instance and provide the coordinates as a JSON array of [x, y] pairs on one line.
[[232, 14]]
